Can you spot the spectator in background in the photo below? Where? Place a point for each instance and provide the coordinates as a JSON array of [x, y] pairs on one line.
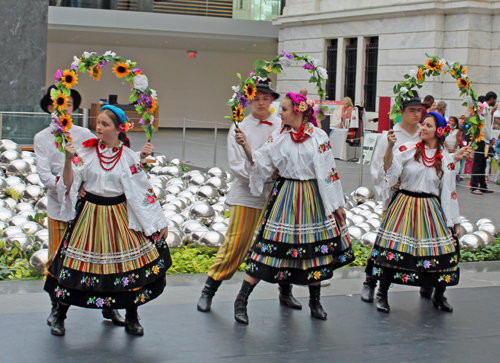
[[426, 105], [433, 107], [303, 92], [441, 108], [481, 99], [346, 113], [452, 141]]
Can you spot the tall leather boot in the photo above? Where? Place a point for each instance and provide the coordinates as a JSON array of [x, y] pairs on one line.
[[382, 297], [241, 302], [132, 325], [439, 301], [53, 303], [57, 325], [286, 297], [369, 286], [114, 316], [314, 303], [426, 292], [208, 292]]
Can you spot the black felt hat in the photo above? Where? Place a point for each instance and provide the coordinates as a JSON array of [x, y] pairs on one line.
[[267, 87], [47, 100], [413, 101]]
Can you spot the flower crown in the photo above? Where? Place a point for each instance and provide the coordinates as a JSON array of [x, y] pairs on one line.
[[125, 127], [443, 131]]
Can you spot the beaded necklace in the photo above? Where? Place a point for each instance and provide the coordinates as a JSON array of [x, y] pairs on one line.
[[109, 160]]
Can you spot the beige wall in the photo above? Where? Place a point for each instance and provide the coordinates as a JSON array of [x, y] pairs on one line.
[[194, 88]]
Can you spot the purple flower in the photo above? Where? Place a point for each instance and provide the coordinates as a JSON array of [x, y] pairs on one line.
[[427, 264], [142, 122], [244, 102], [102, 64], [308, 66], [145, 100], [136, 70], [58, 75], [285, 54], [324, 249], [251, 74], [74, 67], [125, 281], [99, 302]]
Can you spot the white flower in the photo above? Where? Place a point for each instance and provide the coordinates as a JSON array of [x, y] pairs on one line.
[[322, 72], [468, 99], [285, 62], [309, 58], [76, 61], [140, 82], [153, 94], [413, 73], [315, 62], [261, 79], [111, 53], [54, 116], [232, 98], [404, 90], [235, 88], [445, 66], [87, 54], [128, 61], [53, 126]]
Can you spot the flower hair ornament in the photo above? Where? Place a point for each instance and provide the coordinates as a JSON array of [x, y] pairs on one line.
[[443, 128], [303, 105], [125, 124]]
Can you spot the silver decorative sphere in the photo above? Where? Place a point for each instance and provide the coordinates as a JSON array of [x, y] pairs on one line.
[[219, 208], [349, 204], [33, 192], [172, 207], [178, 232], [13, 180], [197, 180], [355, 232], [161, 159], [368, 239], [212, 239], [23, 207], [25, 241], [218, 183], [31, 227], [373, 216], [464, 219], [375, 222], [42, 236], [202, 212], [168, 198], [27, 213], [186, 201], [471, 241], [489, 227], [33, 169], [217, 226], [379, 209], [169, 213], [27, 154], [174, 190], [188, 195], [196, 235], [462, 230], [3, 183], [356, 210], [371, 203], [487, 237], [190, 226], [187, 176], [348, 222], [41, 205], [185, 213], [178, 218], [3, 225], [176, 181], [364, 192], [348, 214], [356, 219], [366, 226], [193, 189], [155, 170], [6, 214], [157, 182], [155, 162], [39, 260], [160, 193], [365, 206], [207, 193], [45, 222], [229, 177], [19, 167], [13, 231], [17, 220], [173, 240], [34, 179], [483, 221], [176, 162], [171, 223], [30, 160], [19, 189], [365, 213], [216, 171], [469, 227], [10, 146], [174, 171], [219, 219], [9, 156], [179, 203], [11, 203]]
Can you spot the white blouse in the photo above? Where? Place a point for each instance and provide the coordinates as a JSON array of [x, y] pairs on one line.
[[418, 178], [127, 177], [312, 159]]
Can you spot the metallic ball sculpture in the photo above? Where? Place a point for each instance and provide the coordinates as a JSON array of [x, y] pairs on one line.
[[355, 232], [365, 206], [196, 235], [174, 189], [161, 159], [207, 193], [160, 193], [11, 203], [173, 240], [155, 170], [176, 162], [366, 226], [365, 213], [171, 207], [19, 167], [348, 214], [469, 227], [13, 231], [17, 220], [218, 183], [216, 171], [9, 156], [23, 207], [178, 218], [10, 145], [487, 237], [212, 239], [178, 202], [178, 232], [202, 212], [41, 205], [31, 227], [348, 222], [30, 160], [39, 260], [197, 180], [488, 227], [483, 221], [26, 242], [3, 183], [6, 214], [471, 241], [368, 239], [33, 192], [174, 171], [365, 193], [158, 182], [356, 219], [190, 226], [375, 222], [42, 236], [229, 177], [34, 179]]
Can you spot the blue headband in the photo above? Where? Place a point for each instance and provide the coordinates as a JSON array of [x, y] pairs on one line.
[[440, 119], [122, 117]]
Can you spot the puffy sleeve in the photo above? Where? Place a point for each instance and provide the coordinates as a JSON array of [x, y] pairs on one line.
[[144, 210], [43, 163], [377, 164], [327, 175], [400, 158], [238, 162], [449, 200], [263, 167]]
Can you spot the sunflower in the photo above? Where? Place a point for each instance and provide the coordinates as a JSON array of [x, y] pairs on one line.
[[250, 91], [420, 75], [65, 122], [463, 83], [95, 72], [433, 65], [452, 72], [121, 69], [238, 113], [60, 102], [69, 78], [471, 110], [464, 71], [153, 105], [479, 138]]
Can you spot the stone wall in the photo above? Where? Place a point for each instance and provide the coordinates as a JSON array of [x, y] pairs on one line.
[[23, 48]]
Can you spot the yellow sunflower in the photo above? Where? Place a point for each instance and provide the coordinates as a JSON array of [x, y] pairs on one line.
[[452, 72], [464, 71], [420, 75], [153, 105], [433, 65], [121, 69], [463, 83], [69, 78], [250, 91], [60, 102], [471, 110], [95, 72], [479, 138], [65, 122], [238, 113]]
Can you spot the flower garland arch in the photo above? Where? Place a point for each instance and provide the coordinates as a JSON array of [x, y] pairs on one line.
[[142, 95], [435, 66], [245, 91]]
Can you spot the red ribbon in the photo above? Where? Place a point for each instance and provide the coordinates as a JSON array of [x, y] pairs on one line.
[[90, 143], [265, 122]]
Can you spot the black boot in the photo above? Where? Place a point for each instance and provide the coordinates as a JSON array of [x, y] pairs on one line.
[[240, 304], [368, 289], [382, 298], [114, 315], [286, 297], [132, 325], [208, 292], [426, 292], [439, 301], [57, 326], [53, 302], [314, 303]]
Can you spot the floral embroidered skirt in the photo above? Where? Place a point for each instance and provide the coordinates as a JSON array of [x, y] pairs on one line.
[[296, 242], [414, 246], [101, 263]]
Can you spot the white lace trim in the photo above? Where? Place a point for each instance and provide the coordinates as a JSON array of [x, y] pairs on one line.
[[109, 258], [295, 229], [413, 242]]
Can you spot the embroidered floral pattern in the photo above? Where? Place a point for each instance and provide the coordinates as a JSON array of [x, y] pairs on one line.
[[296, 252], [265, 247], [136, 168], [282, 275], [332, 176], [324, 147], [159, 242], [155, 269], [64, 274], [403, 148], [150, 197], [270, 139], [145, 296], [126, 280], [323, 249], [89, 281], [451, 166], [252, 267], [454, 260], [78, 161], [427, 263], [448, 278], [316, 275], [61, 293], [274, 192], [405, 277], [374, 253], [454, 195], [377, 271], [391, 256], [100, 302]]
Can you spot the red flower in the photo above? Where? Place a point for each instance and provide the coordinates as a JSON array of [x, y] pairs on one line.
[[295, 253], [419, 144], [115, 149], [332, 178], [454, 195], [133, 169], [390, 255], [310, 131], [451, 166], [405, 278], [323, 147], [402, 148], [57, 144], [329, 145], [102, 146], [337, 176], [280, 276]]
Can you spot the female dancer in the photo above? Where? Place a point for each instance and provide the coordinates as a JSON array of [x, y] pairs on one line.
[[415, 243], [111, 255], [302, 238]]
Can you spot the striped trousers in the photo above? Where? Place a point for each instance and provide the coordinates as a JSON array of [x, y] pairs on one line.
[[56, 233], [239, 238]]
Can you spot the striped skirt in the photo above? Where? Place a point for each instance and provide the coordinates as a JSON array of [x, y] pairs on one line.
[[414, 245], [101, 263], [296, 242]]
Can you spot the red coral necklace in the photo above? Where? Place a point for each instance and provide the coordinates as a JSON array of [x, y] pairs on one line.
[[300, 136], [430, 162], [108, 160]]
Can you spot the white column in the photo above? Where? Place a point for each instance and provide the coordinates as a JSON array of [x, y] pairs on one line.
[[360, 69], [339, 86]]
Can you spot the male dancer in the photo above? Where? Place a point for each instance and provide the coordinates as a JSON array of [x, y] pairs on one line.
[[245, 207]]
